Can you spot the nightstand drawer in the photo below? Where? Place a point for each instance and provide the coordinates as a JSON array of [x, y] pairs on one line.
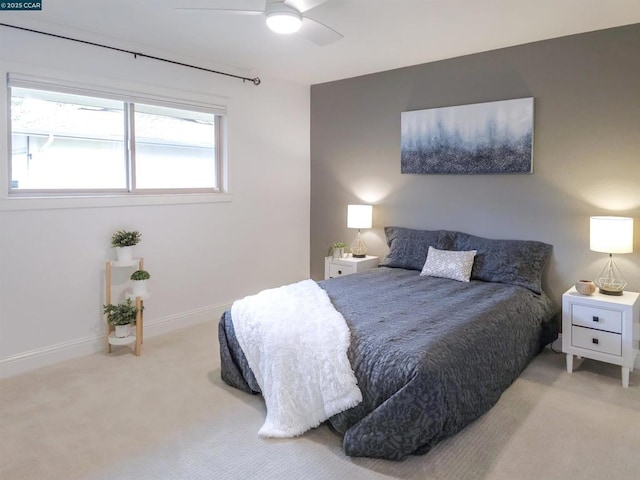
[[338, 270], [599, 318], [596, 340]]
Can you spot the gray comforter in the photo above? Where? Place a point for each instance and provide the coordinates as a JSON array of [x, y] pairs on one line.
[[431, 355]]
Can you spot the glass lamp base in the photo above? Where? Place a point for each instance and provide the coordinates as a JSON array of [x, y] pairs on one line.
[[358, 247], [610, 281]]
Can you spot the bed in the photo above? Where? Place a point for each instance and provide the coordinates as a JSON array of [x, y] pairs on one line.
[[430, 353]]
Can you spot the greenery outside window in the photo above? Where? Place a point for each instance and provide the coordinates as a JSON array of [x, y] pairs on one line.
[[65, 143]]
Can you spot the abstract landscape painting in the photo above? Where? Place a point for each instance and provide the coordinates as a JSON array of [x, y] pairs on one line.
[[492, 137]]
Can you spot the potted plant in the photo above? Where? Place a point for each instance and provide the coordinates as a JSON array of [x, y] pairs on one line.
[[337, 250], [123, 241], [140, 279], [121, 316]]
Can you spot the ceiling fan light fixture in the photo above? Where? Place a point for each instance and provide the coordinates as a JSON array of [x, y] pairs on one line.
[[284, 22]]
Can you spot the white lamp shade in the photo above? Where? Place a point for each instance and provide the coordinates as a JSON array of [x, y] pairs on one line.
[[611, 234], [359, 216]]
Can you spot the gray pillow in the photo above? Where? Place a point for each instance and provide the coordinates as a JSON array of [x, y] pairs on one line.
[[408, 248], [515, 262]]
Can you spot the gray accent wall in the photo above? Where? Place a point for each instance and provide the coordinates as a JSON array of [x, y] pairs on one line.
[[586, 151]]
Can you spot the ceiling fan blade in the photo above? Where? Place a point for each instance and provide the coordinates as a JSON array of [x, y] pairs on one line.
[[221, 5], [304, 5], [318, 33]]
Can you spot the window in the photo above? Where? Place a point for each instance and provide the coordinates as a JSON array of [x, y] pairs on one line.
[[65, 142]]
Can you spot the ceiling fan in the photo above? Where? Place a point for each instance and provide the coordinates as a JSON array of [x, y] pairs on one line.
[[282, 16]]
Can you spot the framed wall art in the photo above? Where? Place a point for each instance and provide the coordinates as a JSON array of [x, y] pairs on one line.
[[492, 137]]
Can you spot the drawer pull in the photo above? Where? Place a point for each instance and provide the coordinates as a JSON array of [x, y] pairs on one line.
[[596, 319], [595, 341], [339, 272]]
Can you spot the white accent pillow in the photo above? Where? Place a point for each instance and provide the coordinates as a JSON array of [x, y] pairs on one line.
[[452, 264]]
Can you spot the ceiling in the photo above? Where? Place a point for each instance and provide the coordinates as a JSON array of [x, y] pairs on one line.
[[378, 34]]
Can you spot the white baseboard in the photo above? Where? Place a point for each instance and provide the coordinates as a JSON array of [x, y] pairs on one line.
[[30, 360]]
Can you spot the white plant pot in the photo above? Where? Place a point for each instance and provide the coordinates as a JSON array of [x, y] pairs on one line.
[[123, 331], [139, 287], [124, 254], [338, 252]]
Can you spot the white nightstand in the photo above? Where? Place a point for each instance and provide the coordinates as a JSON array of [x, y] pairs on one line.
[[336, 267], [601, 327]]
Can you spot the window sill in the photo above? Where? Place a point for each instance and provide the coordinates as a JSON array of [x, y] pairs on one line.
[[91, 201]]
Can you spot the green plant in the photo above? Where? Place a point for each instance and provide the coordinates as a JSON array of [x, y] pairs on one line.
[[140, 275], [123, 238], [122, 313], [334, 247]]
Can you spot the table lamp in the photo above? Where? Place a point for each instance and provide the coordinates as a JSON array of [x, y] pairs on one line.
[[611, 235], [359, 216]]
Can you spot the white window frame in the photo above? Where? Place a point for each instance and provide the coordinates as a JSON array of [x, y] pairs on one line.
[[41, 199]]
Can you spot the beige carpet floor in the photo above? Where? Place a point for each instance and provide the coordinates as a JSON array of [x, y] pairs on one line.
[[167, 415]]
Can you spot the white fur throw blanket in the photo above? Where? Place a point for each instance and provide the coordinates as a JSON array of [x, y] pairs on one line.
[[296, 344]]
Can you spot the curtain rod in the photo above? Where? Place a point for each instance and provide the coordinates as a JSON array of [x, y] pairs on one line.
[[255, 80]]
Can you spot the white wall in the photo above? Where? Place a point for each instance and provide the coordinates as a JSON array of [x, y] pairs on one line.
[[201, 256]]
